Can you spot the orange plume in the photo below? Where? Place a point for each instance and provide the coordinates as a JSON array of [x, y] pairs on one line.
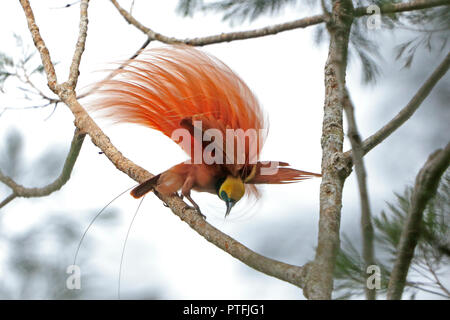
[[169, 88]]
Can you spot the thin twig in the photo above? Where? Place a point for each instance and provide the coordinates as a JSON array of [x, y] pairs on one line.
[[224, 37], [27, 107], [408, 110], [7, 200], [79, 49], [28, 81], [366, 216], [425, 188], [274, 29], [429, 291], [326, 13], [437, 281]]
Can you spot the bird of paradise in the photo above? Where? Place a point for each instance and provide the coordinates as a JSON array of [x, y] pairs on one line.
[[201, 104]]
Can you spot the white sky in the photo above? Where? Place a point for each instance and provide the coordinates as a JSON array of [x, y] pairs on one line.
[[286, 73]]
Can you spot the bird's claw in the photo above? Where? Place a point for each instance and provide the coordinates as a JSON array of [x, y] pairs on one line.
[[194, 208]]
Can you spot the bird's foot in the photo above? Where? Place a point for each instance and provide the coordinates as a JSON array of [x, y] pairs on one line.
[[194, 208]]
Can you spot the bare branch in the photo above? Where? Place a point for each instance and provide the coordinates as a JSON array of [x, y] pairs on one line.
[[24, 76], [40, 46], [408, 110], [4, 109], [26, 79], [366, 216], [429, 291], [7, 200], [21, 191], [85, 124], [224, 37], [425, 188], [404, 6], [79, 49], [274, 29], [319, 283]]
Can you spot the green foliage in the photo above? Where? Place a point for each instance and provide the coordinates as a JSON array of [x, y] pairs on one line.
[[431, 254], [365, 50], [235, 11], [188, 7], [431, 30]]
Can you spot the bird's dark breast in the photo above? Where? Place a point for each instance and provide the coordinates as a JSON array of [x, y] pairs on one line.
[[209, 178]]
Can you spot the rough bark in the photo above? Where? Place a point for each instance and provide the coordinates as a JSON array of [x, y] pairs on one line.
[[319, 283]]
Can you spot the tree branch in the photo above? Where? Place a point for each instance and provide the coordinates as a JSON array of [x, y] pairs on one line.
[[427, 182], [319, 283], [21, 191], [40, 46], [404, 6], [270, 30], [84, 123], [79, 48], [407, 111], [224, 37], [366, 216], [8, 199]]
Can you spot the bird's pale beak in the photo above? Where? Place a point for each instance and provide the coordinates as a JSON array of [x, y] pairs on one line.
[[230, 204]]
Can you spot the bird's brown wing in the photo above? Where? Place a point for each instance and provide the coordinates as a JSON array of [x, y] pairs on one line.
[[235, 151]]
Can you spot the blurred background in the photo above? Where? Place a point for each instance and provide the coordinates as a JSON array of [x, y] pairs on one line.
[[164, 258]]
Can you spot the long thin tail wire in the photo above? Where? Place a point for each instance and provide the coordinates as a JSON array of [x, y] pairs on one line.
[[93, 220], [124, 246]]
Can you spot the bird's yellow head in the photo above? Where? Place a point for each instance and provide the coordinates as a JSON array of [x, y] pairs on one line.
[[231, 191]]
